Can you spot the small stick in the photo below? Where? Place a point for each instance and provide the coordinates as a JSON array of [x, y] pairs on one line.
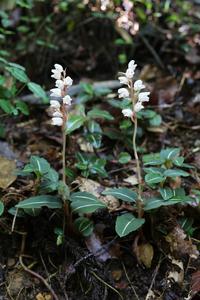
[[39, 277], [136, 295], [108, 285]]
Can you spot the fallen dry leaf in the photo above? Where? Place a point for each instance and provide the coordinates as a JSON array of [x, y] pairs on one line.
[[132, 180], [176, 276], [146, 253], [43, 297], [180, 245], [7, 169]]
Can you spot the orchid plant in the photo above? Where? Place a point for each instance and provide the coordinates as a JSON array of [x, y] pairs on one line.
[[60, 112], [137, 98]]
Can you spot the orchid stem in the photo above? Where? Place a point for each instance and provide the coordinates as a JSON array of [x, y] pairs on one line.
[[139, 202]]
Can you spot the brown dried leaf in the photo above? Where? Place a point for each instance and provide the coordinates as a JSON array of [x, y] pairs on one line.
[[146, 253], [179, 245], [7, 168]]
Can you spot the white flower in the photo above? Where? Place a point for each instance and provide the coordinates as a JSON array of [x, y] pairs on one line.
[[127, 112], [68, 81], [123, 79], [123, 93], [143, 97], [138, 85], [55, 92], [60, 84], [138, 106], [129, 73], [132, 65], [67, 100], [57, 114], [55, 104], [131, 69], [56, 74], [57, 121], [58, 67]]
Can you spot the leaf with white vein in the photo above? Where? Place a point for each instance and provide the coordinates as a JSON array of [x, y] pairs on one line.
[[122, 194], [175, 173], [84, 202], [152, 178], [40, 201], [127, 223]]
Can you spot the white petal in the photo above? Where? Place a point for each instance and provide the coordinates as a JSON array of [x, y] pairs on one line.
[[58, 67], [130, 73], [143, 97], [68, 81], [60, 84], [132, 65], [138, 85], [127, 112], [138, 106], [56, 75], [57, 114], [55, 92], [123, 93], [57, 121], [67, 100], [123, 79], [55, 104]]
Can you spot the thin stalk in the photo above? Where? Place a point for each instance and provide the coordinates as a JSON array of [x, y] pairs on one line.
[[65, 203], [134, 119]]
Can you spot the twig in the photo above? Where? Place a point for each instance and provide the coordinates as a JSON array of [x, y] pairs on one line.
[[136, 295], [108, 285], [39, 277], [153, 279]]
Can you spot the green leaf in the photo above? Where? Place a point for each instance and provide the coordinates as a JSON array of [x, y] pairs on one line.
[[127, 223], [1, 208], [11, 64], [169, 153], [166, 193], [97, 166], [124, 157], [178, 161], [49, 181], [100, 114], [155, 121], [84, 226], [152, 159], [38, 91], [154, 170], [39, 165], [19, 74], [175, 173], [95, 135], [7, 107], [22, 106], [154, 202], [147, 114], [122, 194], [74, 122], [40, 201], [152, 178], [84, 202]]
